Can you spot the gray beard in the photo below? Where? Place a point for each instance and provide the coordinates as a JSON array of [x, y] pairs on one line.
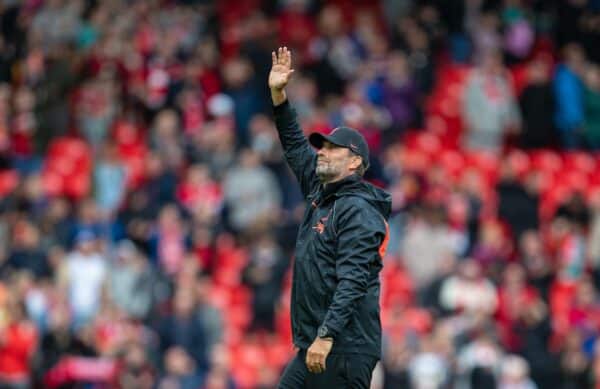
[[325, 173]]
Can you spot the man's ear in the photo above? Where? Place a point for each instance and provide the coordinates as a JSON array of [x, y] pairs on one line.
[[356, 162]]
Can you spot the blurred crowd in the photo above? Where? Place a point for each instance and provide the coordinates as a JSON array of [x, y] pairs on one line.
[[148, 218]]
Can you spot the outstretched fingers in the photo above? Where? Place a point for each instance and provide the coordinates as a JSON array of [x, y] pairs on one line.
[[287, 57], [283, 56]]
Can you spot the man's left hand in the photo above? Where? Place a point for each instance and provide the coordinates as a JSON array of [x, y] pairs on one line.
[[317, 354]]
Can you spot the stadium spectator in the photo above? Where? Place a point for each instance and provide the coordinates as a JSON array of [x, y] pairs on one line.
[[180, 371], [110, 179], [83, 274], [251, 193], [264, 274], [515, 374], [427, 241], [568, 90], [137, 371], [27, 254], [130, 281], [181, 331], [536, 100], [399, 91], [210, 316], [490, 109], [592, 107], [518, 202], [18, 342], [482, 299]]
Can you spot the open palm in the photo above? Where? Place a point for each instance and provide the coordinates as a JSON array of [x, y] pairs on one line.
[[281, 69]]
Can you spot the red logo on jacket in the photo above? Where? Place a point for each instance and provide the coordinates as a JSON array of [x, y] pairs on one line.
[[320, 226]]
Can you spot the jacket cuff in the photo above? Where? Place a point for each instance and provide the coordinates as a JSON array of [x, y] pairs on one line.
[[279, 109], [326, 330]]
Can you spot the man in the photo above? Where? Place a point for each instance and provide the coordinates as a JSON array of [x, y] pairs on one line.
[[341, 243]]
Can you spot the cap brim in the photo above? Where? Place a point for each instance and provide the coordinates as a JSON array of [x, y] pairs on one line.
[[317, 139]]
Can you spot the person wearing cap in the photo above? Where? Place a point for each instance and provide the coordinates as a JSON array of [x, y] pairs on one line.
[[340, 246]]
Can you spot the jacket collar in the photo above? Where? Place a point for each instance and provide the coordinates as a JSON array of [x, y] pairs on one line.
[[334, 187]]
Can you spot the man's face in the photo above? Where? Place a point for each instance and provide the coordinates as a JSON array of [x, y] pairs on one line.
[[87, 247], [335, 162]]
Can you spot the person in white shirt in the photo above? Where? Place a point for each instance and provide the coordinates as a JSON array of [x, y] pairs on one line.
[[469, 292], [83, 277]]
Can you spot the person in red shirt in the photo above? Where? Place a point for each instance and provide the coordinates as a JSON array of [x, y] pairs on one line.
[[584, 313], [18, 340], [514, 296]]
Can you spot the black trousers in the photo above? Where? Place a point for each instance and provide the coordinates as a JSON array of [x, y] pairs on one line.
[[350, 371]]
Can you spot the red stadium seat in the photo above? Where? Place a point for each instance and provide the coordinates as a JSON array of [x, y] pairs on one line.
[[240, 295], [67, 168], [77, 186], [580, 161], [239, 315], [520, 162], [64, 166], [450, 108], [552, 198], [546, 160], [485, 162], [452, 161], [455, 90], [278, 353], [9, 179], [574, 179], [126, 133], [219, 296], [592, 192], [428, 143], [53, 183], [414, 160], [436, 124]]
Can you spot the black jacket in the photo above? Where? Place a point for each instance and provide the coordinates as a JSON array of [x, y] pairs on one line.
[[339, 251]]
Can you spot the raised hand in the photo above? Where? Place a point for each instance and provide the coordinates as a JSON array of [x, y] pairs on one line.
[[281, 69]]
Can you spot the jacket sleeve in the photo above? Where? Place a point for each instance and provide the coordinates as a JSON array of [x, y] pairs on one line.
[[361, 232], [299, 155], [569, 98]]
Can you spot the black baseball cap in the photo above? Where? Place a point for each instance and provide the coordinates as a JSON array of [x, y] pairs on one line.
[[344, 137]]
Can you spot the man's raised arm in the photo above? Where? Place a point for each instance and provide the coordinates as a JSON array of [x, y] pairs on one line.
[[299, 154]]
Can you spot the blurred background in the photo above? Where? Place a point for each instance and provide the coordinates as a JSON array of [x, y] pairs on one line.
[[148, 219]]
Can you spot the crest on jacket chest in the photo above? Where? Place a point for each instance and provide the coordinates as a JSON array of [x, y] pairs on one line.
[[320, 226], [320, 212], [321, 223]]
